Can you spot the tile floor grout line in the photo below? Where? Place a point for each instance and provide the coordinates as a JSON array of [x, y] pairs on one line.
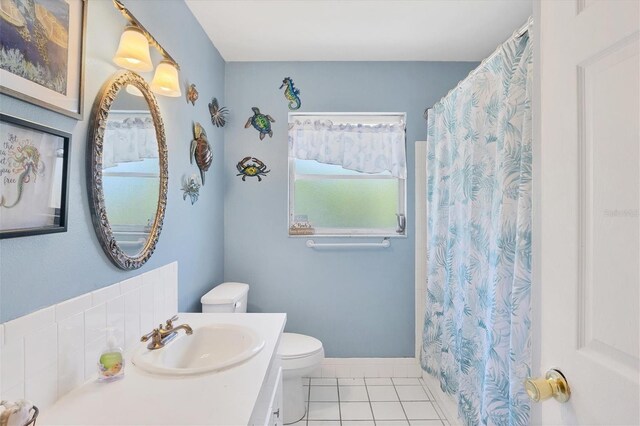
[[308, 404], [339, 408], [366, 389], [401, 404]]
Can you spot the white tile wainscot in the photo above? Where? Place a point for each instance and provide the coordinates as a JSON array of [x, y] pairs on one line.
[[228, 397], [50, 352]]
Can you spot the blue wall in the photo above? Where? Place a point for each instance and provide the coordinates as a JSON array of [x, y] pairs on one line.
[[360, 303], [38, 271]]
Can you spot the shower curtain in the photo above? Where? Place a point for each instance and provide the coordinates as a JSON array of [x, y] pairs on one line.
[[476, 336]]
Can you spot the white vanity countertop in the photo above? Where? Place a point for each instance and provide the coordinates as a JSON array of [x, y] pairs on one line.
[[221, 398]]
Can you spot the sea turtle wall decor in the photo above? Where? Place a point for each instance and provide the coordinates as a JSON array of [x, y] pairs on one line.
[[192, 94], [291, 93], [218, 114], [260, 122], [255, 168], [201, 150]]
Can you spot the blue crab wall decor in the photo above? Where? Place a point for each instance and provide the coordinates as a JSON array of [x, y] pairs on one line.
[[255, 168]]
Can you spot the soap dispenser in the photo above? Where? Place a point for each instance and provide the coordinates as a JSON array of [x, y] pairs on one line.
[[111, 362]]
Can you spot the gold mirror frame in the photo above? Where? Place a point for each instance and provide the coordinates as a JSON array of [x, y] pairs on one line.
[[97, 125]]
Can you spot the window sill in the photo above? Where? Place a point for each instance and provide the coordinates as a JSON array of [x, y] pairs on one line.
[[348, 236]]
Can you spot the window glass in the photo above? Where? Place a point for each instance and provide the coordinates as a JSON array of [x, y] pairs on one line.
[[348, 203]]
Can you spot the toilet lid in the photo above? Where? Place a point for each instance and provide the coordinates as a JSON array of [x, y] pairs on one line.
[[225, 293], [293, 345]]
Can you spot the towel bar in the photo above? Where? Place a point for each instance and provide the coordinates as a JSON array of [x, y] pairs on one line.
[[383, 244]]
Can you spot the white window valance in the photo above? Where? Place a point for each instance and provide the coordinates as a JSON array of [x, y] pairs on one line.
[[362, 147], [129, 139]]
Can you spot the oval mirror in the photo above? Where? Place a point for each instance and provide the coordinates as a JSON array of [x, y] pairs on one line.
[[127, 179]]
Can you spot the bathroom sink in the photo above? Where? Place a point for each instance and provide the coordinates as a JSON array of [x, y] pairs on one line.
[[210, 348]]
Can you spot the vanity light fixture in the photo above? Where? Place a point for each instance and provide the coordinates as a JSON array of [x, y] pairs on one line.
[[133, 50], [166, 81], [133, 54]]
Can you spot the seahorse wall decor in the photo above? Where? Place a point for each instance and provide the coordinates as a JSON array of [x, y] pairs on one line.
[[291, 93], [26, 161]]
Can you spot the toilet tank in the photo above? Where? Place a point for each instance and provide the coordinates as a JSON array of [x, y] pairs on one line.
[[226, 297]]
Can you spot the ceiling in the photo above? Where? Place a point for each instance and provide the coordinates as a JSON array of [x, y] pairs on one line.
[[359, 30]]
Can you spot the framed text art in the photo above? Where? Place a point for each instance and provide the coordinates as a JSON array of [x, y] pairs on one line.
[[34, 170], [41, 53]]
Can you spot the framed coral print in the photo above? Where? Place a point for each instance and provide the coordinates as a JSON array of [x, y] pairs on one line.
[[34, 169], [41, 53]]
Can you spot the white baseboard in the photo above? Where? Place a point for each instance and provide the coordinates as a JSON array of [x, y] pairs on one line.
[[446, 402], [368, 367]]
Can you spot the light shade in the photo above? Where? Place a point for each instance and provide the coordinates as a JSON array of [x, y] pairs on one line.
[[133, 51], [166, 81]]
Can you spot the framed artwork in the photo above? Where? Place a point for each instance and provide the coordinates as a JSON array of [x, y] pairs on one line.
[[42, 53], [34, 170]]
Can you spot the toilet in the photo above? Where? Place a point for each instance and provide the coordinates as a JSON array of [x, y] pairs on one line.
[[299, 354]]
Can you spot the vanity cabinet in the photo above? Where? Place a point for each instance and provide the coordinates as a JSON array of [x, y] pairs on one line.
[[268, 408], [275, 407], [249, 393]]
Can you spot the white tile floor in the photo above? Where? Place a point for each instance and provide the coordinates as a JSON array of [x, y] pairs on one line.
[[370, 402]]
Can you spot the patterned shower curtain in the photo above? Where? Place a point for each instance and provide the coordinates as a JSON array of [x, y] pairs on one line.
[[476, 337]]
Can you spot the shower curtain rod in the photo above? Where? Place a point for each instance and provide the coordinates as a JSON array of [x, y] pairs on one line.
[[524, 29], [516, 34]]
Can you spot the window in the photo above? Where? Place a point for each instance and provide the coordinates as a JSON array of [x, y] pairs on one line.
[[347, 174]]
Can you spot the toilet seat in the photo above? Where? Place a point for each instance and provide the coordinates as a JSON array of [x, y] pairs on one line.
[[300, 352], [300, 356], [294, 346]]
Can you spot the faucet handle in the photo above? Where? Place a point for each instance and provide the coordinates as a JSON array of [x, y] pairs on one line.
[[170, 322], [149, 335]]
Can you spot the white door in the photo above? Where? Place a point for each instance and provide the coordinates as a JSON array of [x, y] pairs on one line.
[[587, 237]]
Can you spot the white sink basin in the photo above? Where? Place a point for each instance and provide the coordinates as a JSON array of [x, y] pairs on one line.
[[210, 348]]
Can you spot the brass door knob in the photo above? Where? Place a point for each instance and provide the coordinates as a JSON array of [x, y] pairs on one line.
[[553, 385]]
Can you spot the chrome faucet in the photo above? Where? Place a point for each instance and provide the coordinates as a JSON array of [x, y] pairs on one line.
[[164, 334]]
